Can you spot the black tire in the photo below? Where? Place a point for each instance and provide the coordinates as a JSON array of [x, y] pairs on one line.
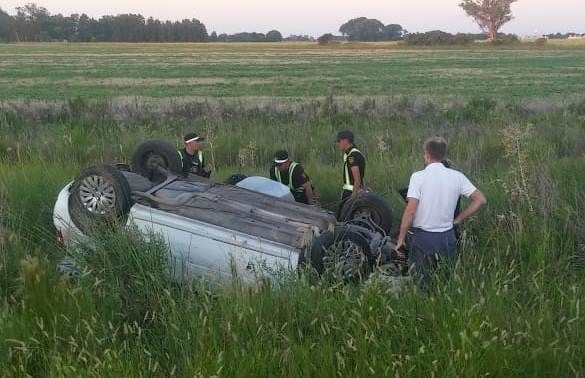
[[154, 154], [330, 254], [368, 205], [99, 196]]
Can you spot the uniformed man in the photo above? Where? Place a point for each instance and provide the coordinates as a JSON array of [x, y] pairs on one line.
[[354, 165], [293, 175], [192, 156], [428, 221]]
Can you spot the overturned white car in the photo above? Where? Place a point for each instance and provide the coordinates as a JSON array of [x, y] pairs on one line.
[[215, 230]]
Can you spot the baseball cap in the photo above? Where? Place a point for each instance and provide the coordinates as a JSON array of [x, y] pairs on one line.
[[193, 137], [345, 134], [281, 157]]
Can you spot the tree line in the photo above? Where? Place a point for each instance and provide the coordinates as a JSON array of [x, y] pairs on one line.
[[33, 23], [271, 36]]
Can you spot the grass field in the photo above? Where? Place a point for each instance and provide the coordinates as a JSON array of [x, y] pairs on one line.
[[287, 70], [515, 120]]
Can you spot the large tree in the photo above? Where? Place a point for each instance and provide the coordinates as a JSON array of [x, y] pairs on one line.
[[273, 36], [362, 29], [393, 32], [490, 15], [370, 29]]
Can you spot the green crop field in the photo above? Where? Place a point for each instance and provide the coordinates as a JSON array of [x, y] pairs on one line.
[[515, 120], [286, 70]]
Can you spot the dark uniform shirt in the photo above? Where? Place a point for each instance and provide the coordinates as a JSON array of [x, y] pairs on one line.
[[299, 178], [192, 163]]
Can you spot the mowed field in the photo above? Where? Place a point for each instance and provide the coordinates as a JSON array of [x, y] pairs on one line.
[[52, 72], [514, 117]]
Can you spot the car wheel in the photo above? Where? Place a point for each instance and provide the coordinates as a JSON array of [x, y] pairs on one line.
[[154, 154], [368, 206], [342, 254], [100, 195]]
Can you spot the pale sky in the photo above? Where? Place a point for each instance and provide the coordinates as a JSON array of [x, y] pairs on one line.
[[316, 17]]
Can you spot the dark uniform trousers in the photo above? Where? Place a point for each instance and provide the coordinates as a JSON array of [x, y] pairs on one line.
[[429, 252], [345, 195]]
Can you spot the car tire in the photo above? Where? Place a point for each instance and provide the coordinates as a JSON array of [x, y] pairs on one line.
[[154, 154], [99, 196], [368, 205], [343, 253]]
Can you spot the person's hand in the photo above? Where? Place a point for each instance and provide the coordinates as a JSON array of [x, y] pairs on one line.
[[399, 245]]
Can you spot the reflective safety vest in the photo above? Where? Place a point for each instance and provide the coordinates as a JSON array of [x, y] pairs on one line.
[[199, 155], [291, 170], [347, 178]]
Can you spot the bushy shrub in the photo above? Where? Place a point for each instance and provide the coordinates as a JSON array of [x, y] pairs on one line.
[[505, 39], [325, 39], [438, 37], [273, 36]]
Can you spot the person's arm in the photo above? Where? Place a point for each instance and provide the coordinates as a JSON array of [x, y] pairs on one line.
[[309, 192], [205, 171], [357, 179], [185, 167], [478, 201], [412, 200], [406, 224], [271, 173]]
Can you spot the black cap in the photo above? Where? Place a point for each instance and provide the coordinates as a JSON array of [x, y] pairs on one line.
[[345, 134], [281, 157], [193, 137]]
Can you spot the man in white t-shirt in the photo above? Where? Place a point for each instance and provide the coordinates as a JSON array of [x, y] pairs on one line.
[[428, 219]]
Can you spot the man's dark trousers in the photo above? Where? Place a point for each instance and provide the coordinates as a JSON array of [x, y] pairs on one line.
[[428, 251]]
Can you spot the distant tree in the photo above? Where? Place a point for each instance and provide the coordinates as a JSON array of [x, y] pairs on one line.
[[564, 35], [84, 29], [59, 28], [213, 37], [325, 39], [362, 29], [29, 21], [393, 32], [6, 27], [246, 37], [490, 15], [105, 29], [370, 29], [300, 38], [273, 36], [438, 37]]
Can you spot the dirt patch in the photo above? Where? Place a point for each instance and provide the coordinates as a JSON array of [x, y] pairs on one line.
[[457, 72], [118, 81], [153, 82]]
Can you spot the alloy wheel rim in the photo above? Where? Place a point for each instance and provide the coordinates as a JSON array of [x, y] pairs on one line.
[[97, 195]]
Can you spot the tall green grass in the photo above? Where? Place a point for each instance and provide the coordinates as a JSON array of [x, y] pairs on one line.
[[512, 307]]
